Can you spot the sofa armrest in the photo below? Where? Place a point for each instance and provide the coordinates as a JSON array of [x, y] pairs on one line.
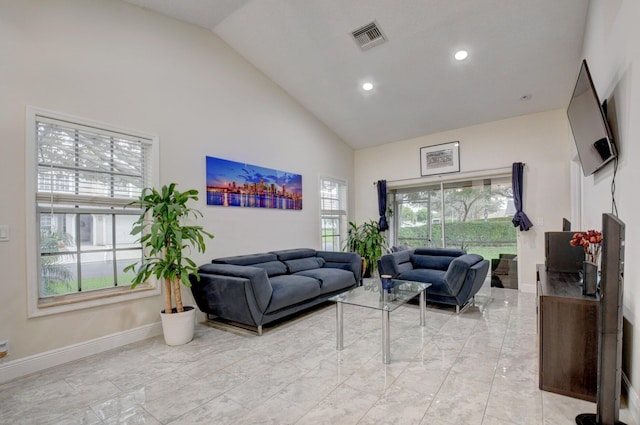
[[458, 270], [343, 260], [227, 284], [474, 280], [396, 262]]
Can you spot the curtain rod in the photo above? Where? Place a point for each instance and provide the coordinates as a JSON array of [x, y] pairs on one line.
[[440, 176]]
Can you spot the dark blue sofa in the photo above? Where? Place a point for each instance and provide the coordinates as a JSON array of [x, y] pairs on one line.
[[455, 276], [257, 289]]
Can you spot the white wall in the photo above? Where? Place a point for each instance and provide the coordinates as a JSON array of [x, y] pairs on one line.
[[613, 53], [541, 141], [112, 62]]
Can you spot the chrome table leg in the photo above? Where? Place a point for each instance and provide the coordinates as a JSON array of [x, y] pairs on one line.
[[339, 325], [386, 344], [423, 308]]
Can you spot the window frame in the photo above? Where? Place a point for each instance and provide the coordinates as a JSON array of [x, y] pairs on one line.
[[441, 184], [341, 213], [38, 306]]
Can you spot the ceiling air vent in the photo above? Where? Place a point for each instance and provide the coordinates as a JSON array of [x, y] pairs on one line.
[[368, 36]]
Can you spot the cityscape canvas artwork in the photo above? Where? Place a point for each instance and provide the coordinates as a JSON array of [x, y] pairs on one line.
[[235, 184]]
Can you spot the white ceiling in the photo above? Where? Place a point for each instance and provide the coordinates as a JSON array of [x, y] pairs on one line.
[[516, 48]]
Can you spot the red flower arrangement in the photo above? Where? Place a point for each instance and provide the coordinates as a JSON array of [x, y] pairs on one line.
[[590, 241]]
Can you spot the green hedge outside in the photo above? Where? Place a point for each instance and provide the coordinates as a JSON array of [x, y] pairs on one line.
[[493, 232], [488, 238]]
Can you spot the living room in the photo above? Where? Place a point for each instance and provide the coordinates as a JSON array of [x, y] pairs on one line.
[[115, 63]]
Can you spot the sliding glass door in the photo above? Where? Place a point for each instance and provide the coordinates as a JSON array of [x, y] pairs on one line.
[[417, 216], [474, 215]]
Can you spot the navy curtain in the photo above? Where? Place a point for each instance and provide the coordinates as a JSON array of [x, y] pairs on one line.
[[382, 205], [520, 218]]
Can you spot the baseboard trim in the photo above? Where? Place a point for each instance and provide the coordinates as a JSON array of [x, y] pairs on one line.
[[633, 401], [38, 362]]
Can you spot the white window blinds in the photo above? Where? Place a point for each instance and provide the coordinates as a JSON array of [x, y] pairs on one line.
[[81, 165]]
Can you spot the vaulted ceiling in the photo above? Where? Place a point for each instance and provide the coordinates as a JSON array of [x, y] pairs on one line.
[[523, 57]]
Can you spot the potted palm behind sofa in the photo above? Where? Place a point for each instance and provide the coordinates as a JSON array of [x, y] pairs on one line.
[[455, 276], [257, 289]]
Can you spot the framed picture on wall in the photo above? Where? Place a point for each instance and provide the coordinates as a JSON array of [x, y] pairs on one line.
[[238, 184], [440, 159]]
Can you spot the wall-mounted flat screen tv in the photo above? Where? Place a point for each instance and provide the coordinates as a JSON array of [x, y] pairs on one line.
[[589, 125]]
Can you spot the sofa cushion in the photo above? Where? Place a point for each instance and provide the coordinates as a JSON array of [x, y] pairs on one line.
[[291, 254], [273, 268], [337, 256], [301, 264], [447, 252], [437, 262], [331, 279], [246, 260], [349, 261], [434, 277], [289, 290]]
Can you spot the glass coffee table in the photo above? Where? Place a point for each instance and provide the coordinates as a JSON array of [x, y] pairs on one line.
[[370, 295]]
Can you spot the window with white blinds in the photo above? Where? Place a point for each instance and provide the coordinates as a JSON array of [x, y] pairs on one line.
[[85, 165], [333, 213], [85, 175]]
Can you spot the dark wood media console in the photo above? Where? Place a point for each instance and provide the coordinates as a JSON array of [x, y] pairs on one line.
[[568, 335]]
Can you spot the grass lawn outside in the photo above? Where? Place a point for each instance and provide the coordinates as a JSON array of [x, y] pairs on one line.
[[490, 252], [88, 284]]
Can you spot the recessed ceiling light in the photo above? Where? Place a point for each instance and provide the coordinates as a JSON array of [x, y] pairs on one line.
[[461, 55], [367, 86]]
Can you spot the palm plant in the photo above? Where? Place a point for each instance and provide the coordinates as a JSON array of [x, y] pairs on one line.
[[164, 237], [367, 241]]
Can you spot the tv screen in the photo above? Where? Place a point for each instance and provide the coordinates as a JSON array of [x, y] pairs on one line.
[[589, 125]]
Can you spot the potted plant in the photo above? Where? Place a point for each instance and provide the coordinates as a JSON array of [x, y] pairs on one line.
[[165, 236], [367, 241]]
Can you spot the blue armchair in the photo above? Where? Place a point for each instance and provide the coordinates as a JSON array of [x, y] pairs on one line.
[[455, 276]]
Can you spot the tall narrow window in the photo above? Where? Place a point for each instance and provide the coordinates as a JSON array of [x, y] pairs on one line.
[[333, 205], [84, 177]]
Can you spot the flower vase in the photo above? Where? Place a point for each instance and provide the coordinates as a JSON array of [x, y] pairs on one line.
[[589, 278], [591, 242]]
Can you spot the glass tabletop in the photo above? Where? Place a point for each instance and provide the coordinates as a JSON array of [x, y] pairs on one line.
[[371, 295]]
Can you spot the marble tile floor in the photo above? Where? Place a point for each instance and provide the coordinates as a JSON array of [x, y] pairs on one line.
[[477, 368]]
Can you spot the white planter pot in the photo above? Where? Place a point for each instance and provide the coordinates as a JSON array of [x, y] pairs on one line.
[[178, 327]]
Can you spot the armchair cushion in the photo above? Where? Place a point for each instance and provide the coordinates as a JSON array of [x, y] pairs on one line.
[[437, 262], [434, 277], [396, 263], [447, 252]]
